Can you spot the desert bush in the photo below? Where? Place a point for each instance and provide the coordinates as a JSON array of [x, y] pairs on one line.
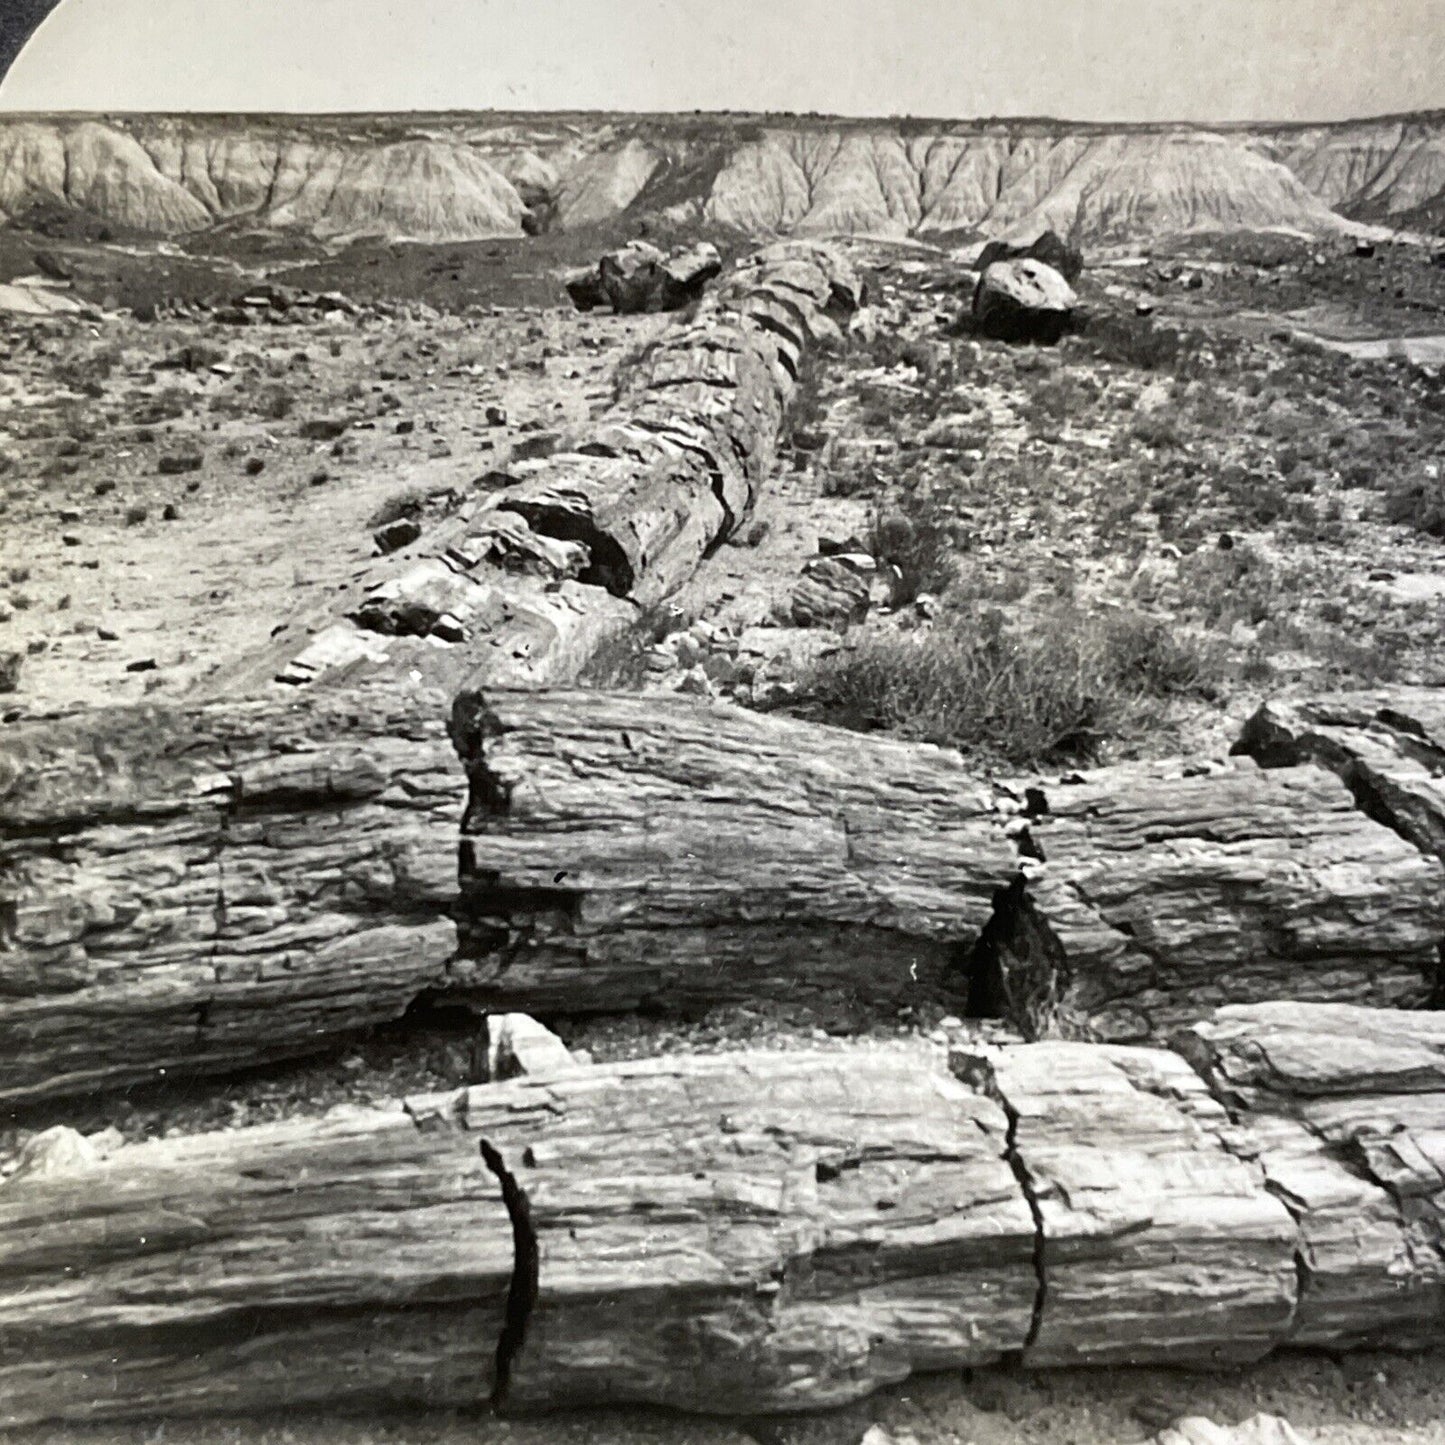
[[918, 531], [1419, 504], [1017, 694]]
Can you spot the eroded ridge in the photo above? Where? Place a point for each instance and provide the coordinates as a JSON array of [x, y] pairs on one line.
[[757, 1230]]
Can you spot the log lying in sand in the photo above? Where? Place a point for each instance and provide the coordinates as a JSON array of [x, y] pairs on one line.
[[209, 888], [561, 551], [625, 851], [749, 1232], [196, 889]]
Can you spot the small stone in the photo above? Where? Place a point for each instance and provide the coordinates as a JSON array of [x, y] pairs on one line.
[[177, 462], [11, 661], [255, 466], [141, 664], [70, 539], [496, 416], [58, 1150], [396, 535]]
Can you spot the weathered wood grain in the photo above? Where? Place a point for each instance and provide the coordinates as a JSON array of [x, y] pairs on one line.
[[208, 888], [624, 851], [751, 1231], [193, 889], [1157, 892]]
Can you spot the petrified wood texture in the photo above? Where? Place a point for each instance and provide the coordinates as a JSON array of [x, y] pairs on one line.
[[1388, 747], [626, 851], [206, 888], [556, 557], [762, 1230], [1347, 1108], [202, 888], [622, 851], [1153, 895]]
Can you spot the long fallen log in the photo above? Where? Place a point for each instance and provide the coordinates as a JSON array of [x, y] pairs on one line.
[[559, 554], [621, 852], [209, 888], [752, 1231]]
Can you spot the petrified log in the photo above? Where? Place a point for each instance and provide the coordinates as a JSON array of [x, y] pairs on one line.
[[622, 852], [1347, 1108], [616, 521], [193, 889], [206, 887], [745, 1232], [1148, 895]]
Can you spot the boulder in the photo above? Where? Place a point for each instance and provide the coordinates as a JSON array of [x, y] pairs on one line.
[[1023, 300], [833, 591], [639, 277], [1050, 248]]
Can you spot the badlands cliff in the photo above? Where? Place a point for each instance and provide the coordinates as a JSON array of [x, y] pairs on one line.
[[458, 177]]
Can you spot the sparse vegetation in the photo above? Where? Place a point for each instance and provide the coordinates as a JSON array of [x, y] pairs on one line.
[[1058, 687]]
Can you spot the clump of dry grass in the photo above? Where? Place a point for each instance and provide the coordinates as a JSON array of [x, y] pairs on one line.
[[1059, 688]]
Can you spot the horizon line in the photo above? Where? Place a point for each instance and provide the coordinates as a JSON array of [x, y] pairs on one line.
[[1426, 112]]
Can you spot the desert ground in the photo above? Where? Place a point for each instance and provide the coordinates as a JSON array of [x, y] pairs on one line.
[[1222, 485]]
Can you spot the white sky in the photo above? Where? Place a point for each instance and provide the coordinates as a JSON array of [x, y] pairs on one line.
[[1079, 59]]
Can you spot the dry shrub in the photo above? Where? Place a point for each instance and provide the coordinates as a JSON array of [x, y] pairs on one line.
[[1015, 695]]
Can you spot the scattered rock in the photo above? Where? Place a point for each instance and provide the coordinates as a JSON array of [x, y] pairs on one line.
[[833, 591], [517, 1045], [396, 535], [141, 664], [11, 661], [1023, 301], [175, 463], [57, 1150], [255, 466], [496, 416]]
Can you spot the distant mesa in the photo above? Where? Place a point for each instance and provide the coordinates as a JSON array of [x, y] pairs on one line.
[[470, 177]]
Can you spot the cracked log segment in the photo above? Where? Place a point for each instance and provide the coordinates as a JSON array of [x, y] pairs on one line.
[[1346, 1107], [750, 1232], [622, 852], [528, 583], [186, 890], [205, 888], [1388, 748], [1148, 896]]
